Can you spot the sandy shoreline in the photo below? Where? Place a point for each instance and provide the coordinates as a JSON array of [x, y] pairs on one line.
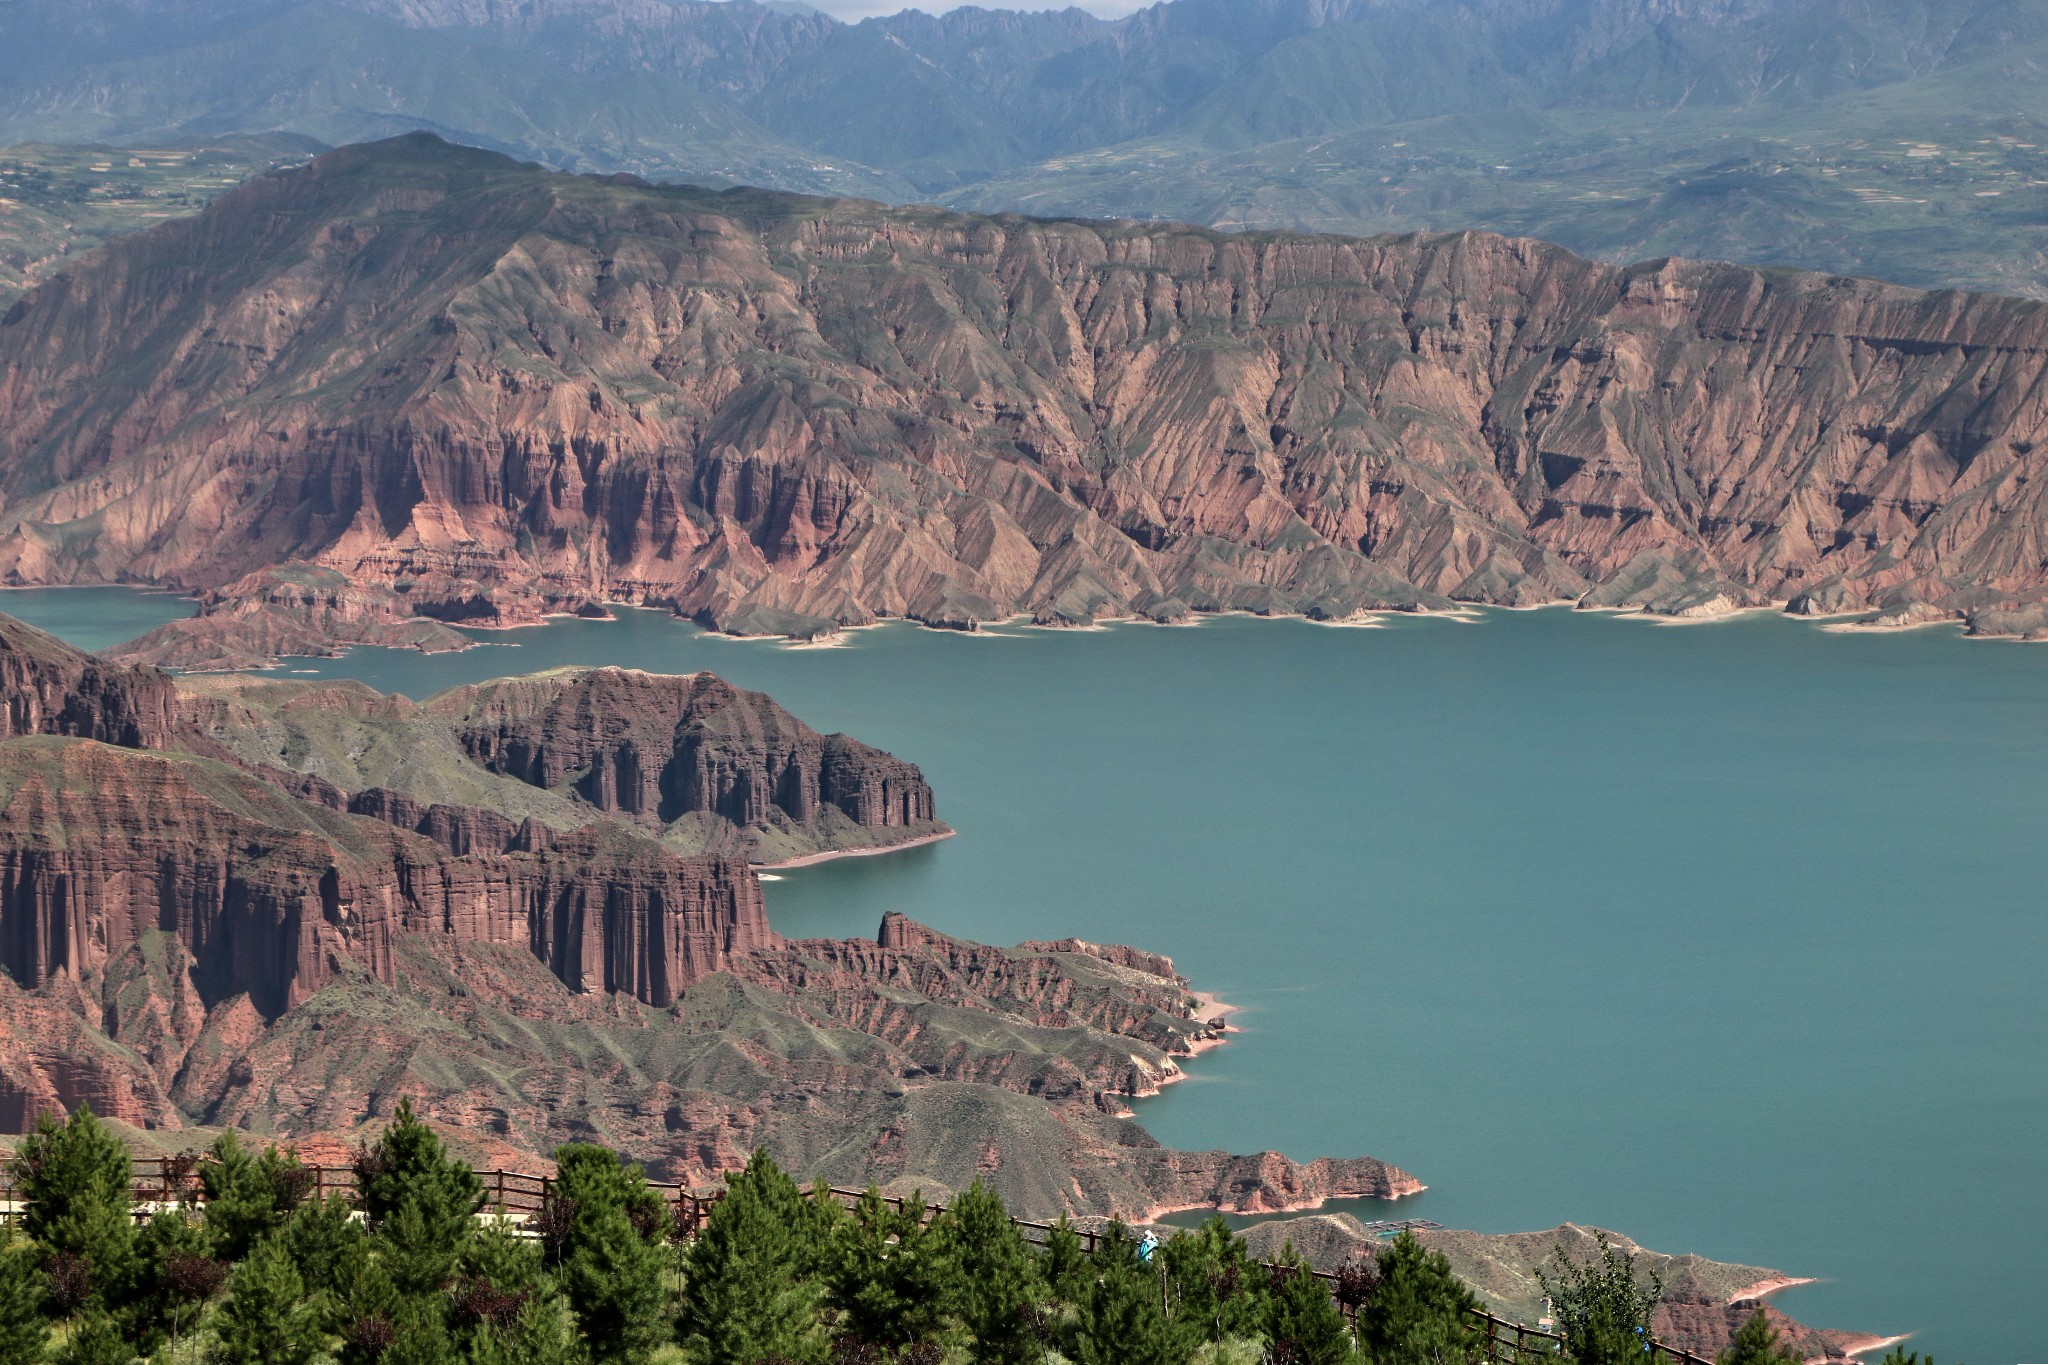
[[1211, 1012], [1763, 1289], [1212, 1008], [1154, 1214], [1856, 1345], [1299, 1206], [812, 859]]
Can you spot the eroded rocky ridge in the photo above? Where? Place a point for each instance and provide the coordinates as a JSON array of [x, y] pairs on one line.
[[216, 930], [284, 610], [475, 383], [657, 749], [703, 765], [49, 688]]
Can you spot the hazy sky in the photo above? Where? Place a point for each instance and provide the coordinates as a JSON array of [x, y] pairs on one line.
[[861, 9]]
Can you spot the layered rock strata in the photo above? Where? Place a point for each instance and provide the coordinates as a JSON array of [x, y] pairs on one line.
[[219, 931], [49, 688], [843, 1058], [705, 766], [483, 386], [656, 749], [272, 898]]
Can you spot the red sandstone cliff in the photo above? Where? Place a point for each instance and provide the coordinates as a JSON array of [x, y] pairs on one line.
[[657, 748], [181, 943], [708, 767], [274, 898], [49, 688], [484, 387]]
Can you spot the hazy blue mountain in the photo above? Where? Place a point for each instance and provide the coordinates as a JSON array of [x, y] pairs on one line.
[[1890, 136]]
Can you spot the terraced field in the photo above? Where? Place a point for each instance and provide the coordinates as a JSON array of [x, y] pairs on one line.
[[57, 202]]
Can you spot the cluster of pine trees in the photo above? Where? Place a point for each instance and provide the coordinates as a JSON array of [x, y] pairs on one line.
[[261, 1274], [417, 1272]]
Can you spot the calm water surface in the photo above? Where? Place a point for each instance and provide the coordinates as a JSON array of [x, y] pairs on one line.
[[1730, 937]]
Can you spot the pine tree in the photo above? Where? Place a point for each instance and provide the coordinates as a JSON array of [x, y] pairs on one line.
[[177, 1274], [1756, 1343], [366, 1314], [508, 1310], [593, 1176], [327, 1246], [1123, 1322], [420, 1335], [612, 1262], [24, 1336], [1301, 1313], [421, 1202], [410, 1165], [614, 1285], [417, 1251], [268, 1319], [1420, 1313], [819, 1223], [500, 1257], [78, 1184], [1063, 1265], [745, 1297], [543, 1333], [1214, 1283], [248, 1196], [994, 1278], [1115, 1249], [888, 1278]]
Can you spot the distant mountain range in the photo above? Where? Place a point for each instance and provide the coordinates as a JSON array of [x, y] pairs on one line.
[[1903, 138]]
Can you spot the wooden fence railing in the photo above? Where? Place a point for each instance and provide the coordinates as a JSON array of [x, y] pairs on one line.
[[163, 1180]]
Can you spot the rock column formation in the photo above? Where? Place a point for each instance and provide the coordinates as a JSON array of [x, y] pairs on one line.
[[658, 748], [100, 847]]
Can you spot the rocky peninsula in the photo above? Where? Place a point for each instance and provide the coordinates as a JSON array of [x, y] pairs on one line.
[[529, 906]]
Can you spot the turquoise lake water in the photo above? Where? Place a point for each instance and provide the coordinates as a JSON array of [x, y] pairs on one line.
[[1730, 937]]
